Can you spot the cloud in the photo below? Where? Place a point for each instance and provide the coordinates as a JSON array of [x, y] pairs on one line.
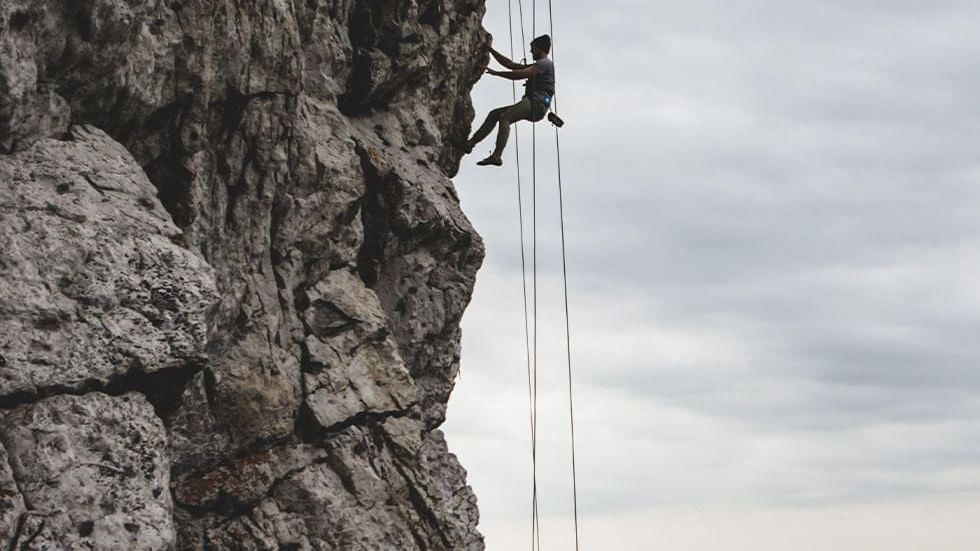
[[773, 252]]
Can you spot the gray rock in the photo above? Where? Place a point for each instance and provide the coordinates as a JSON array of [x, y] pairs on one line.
[[269, 247], [354, 366], [93, 471], [91, 285], [363, 492], [198, 440], [11, 503]]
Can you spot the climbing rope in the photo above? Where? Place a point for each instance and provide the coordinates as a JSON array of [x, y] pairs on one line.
[[564, 280], [520, 210], [532, 351], [534, 278]]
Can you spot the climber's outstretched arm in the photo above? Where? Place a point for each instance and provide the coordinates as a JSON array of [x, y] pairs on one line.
[[506, 61], [519, 74]]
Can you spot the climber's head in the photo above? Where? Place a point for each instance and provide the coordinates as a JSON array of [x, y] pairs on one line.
[[540, 46]]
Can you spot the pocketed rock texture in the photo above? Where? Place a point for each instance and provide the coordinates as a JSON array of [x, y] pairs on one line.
[[232, 270]]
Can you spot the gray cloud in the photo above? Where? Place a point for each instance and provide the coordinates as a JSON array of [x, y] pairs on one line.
[[773, 249]]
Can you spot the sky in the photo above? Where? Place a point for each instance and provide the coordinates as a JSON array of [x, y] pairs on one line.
[[774, 253]]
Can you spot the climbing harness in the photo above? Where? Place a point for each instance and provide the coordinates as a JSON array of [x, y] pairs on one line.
[[531, 348]]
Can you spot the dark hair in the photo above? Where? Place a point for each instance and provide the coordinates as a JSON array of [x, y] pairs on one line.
[[542, 42]]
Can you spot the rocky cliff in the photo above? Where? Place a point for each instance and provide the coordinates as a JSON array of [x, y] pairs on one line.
[[232, 269]]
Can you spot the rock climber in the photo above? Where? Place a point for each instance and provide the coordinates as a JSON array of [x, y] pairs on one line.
[[539, 89]]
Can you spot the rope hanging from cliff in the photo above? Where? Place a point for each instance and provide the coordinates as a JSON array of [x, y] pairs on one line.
[[564, 279], [534, 280], [533, 366], [535, 537]]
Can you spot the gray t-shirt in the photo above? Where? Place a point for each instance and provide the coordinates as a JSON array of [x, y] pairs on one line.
[[543, 82]]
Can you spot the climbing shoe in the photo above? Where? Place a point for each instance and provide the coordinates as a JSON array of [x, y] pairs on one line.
[[490, 161]]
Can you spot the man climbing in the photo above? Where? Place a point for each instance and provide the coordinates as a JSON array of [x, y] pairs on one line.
[[539, 89]]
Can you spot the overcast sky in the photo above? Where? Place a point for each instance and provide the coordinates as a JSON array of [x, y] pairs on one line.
[[774, 254]]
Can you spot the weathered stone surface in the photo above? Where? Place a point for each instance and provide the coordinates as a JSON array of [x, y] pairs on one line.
[[244, 482], [11, 503], [367, 488], [94, 472], [198, 440], [417, 255], [301, 151], [354, 365], [91, 285]]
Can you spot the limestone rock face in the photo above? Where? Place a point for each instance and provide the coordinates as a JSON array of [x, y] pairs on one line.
[[232, 269], [94, 472], [94, 289]]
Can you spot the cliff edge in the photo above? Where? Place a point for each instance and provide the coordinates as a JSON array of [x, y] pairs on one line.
[[232, 270]]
